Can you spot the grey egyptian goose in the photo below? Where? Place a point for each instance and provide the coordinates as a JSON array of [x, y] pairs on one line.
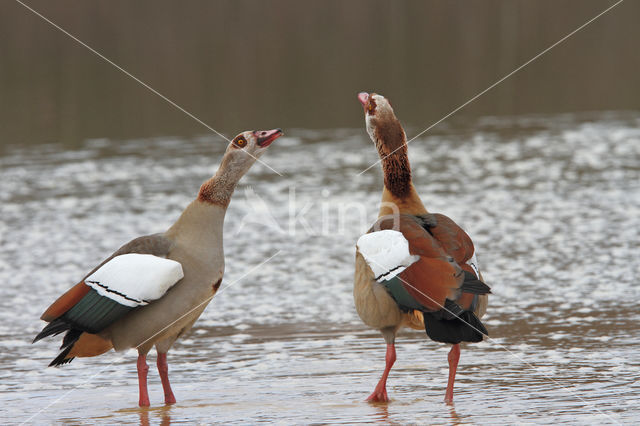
[[413, 269], [152, 290]]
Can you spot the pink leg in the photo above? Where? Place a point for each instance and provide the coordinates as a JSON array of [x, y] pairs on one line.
[[143, 369], [454, 356], [163, 369], [380, 392]]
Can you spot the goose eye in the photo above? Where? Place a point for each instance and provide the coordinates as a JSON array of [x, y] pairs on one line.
[[241, 142]]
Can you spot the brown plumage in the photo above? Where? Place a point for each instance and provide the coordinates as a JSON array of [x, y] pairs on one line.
[[65, 302], [443, 294], [95, 316]]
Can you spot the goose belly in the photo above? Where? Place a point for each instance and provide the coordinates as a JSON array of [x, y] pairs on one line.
[[373, 303], [168, 316]]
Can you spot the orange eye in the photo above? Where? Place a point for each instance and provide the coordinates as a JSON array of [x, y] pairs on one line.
[[241, 142], [370, 107]]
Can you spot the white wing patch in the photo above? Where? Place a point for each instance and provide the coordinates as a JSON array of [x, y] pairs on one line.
[[135, 279], [473, 262], [386, 252]]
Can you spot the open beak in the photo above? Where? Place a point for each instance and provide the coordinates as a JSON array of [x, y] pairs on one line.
[[265, 137], [363, 97]]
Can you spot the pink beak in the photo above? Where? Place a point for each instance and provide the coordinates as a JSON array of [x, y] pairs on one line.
[[363, 97], [265, 137]]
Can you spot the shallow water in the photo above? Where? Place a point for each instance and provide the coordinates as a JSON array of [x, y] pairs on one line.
[[553, 204]]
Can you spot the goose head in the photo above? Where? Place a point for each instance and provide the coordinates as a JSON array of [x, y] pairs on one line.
[[242, 152], [246, 148], [383, 127]]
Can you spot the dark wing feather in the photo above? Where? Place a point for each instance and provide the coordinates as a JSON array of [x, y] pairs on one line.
[[156, 244], [54, 328], [435, 276], [94, 313], [454, 325], [82, 309], [473, 285], [435, 283], [455, 242]]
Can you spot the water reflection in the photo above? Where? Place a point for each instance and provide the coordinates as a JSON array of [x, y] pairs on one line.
[[455, 418], [147, 415], [382, 412], [550, 200], [164, 413]]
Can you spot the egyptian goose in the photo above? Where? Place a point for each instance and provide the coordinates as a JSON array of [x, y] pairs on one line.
[[413, 268], [152, 289]]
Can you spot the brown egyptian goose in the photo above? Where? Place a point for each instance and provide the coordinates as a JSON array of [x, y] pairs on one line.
[[152, 289], [413, 268]]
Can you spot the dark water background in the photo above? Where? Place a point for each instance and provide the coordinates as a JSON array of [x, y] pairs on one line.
[[543, 171], [292, 64]]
